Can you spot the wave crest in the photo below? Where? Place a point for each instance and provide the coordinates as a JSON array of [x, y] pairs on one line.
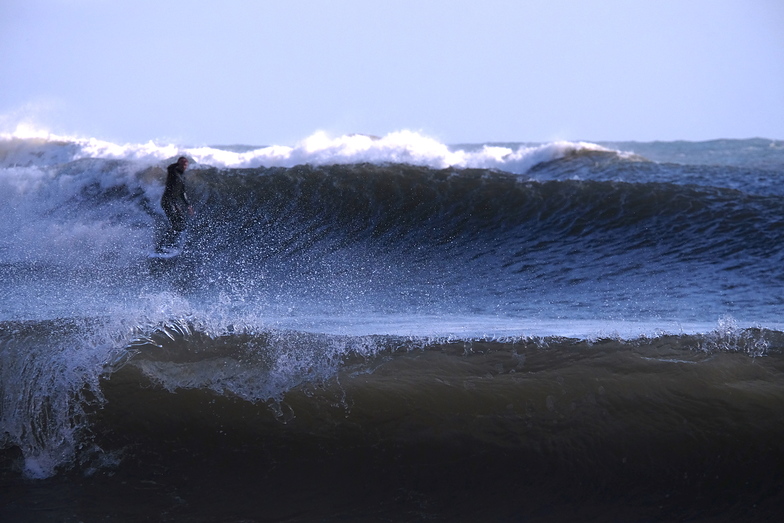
[[406, 147]]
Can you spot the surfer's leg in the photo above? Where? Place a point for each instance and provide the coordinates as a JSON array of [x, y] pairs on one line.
[[176, 226]]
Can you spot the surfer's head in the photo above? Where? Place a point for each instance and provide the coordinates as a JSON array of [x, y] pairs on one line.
[[182, 161]]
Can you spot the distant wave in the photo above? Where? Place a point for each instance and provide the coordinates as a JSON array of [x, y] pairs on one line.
[[319, 149]]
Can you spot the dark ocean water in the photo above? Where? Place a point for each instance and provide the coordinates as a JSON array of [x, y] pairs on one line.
[[394, 330]]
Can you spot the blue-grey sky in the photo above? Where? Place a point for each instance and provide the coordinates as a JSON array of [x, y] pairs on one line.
[[274, 72]]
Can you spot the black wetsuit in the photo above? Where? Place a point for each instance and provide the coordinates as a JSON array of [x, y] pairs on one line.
[[175, 202]]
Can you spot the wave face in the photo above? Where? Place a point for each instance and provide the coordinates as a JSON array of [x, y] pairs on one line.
[[528, 318]]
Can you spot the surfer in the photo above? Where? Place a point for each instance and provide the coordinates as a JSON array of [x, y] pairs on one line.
[[175, 202]]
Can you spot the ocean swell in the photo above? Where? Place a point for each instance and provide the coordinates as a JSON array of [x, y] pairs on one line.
[[57, 376], [388, 293]]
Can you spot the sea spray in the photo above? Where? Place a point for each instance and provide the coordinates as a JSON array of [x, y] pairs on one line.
[[50, 379]]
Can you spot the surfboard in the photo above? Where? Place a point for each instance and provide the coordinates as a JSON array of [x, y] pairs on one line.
[[170, 251], [166, 253]]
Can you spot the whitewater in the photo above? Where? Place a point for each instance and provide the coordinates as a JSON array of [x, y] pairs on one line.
[[392, 328]]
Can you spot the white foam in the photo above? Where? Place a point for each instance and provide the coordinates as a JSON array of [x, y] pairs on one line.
[[318, 149], [48, 381], [399, 147]]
